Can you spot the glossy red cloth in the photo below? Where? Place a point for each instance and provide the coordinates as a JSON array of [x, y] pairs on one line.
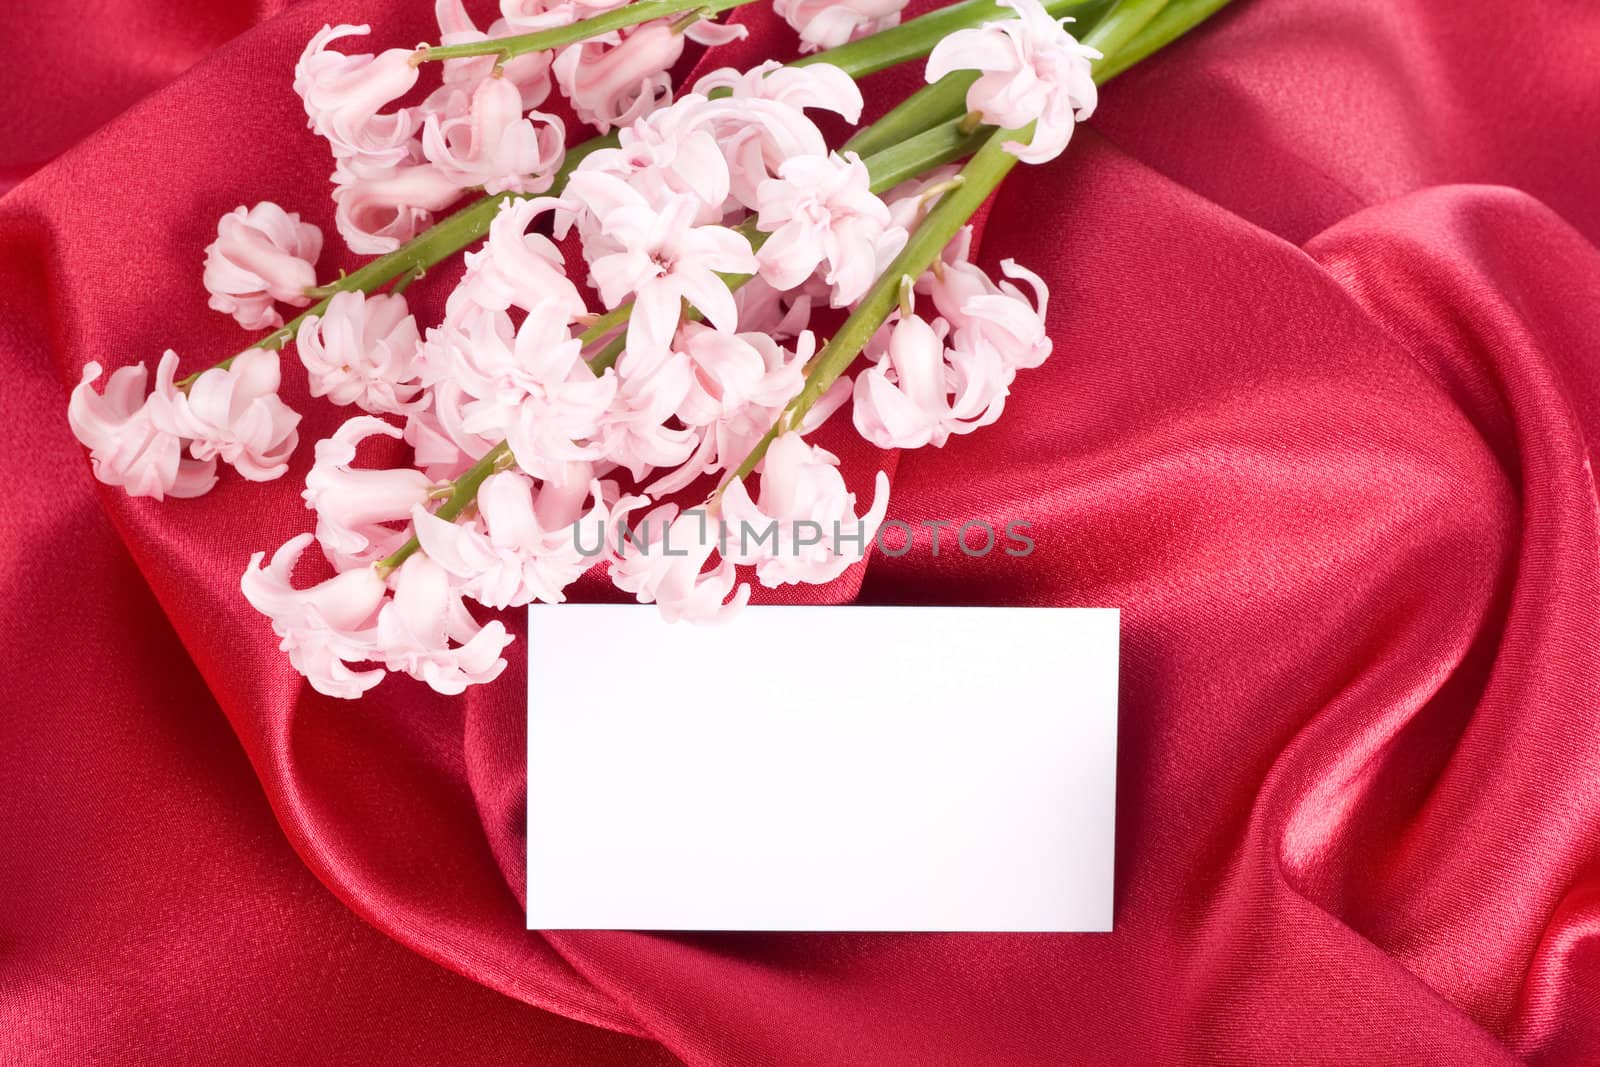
[[1325, 305]]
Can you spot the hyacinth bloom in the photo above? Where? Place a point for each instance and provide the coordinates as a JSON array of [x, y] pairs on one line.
[[355, 505], [126, 448], [816, 86], [805, 501], [529, 72], [426, 631], [234, 414], [616, 77], [664, 154], [821, 213], [933, 381], [344, 96], [517, 268], [999, 316], [493, 145], [658, 255], [528, 385], [636, 431], [261, 255], [376, 212], [522, 547], [663, 560], [830, 23], [361, 350], [904, 400], [324, 627], [738, 385], [1033, 70]]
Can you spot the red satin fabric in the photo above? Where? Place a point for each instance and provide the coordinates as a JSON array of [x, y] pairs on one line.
[[1325, 294]]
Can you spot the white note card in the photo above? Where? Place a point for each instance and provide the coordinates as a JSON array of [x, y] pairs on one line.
[[822, 768]]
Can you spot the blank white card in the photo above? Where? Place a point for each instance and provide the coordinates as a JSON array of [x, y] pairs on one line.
[[822, 768]]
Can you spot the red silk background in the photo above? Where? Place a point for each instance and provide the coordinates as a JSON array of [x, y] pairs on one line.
[[1325, 304]]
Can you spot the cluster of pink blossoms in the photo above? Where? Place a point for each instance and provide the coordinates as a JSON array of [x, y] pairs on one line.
[[712, 235]]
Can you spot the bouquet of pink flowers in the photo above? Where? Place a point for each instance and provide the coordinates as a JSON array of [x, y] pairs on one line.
[[638, 395]]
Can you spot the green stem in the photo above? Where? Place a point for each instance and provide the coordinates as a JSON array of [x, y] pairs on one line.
[[560, 36], [1175, 20], [980, 176], [1120, 26], [930, 105], [945, 143], [463, 491]]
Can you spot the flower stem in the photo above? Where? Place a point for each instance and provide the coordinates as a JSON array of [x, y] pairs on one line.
[[945, 143], [560, 36], [1175, 19], [1120, 26], [945, 99]]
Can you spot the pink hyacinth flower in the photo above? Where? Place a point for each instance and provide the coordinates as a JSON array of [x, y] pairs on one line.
[[660, 258], [1033, 70], [527, 385], [635, 431], [376, 212], [663, 154], [816, 86], [493, 145], [529, 72], [361, 351], [904, 401], [261, 254], [999, 317], [821, 213], [127, 449], [523, 546], [663, 559], [324, 627], [344, 96], [831, 23], [426, 631], [617, 77], [354, 506], [234, 414], [517, 268], [805, 499]]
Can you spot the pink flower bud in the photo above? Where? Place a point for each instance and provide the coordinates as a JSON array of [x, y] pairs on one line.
[[344, 96], [493, 145], [355, 505], [261, 254], [376, 213]]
